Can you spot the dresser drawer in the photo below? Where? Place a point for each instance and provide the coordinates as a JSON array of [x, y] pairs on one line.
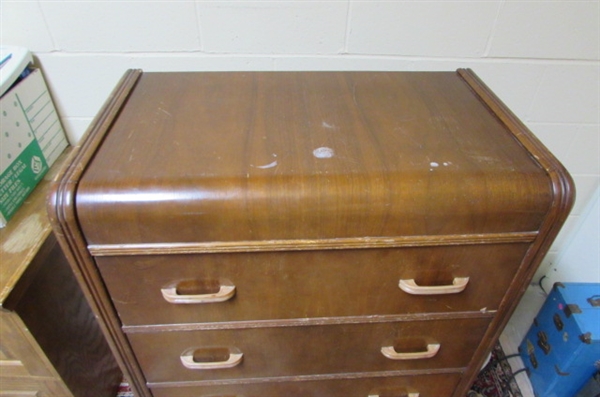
[[306, 350], [31, 386], [279, 285], [423, 386]]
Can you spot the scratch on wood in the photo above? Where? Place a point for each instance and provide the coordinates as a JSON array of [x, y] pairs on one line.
[[20, 240]]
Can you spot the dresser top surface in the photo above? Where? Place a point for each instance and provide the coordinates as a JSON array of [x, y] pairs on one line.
[[332, 141], [240, 125]]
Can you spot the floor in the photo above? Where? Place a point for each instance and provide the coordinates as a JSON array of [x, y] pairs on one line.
[[516, 329]]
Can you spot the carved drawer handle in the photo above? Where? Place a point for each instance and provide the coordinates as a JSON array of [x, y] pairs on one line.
[[225, 293], [392, 354], [189, 361], [458, 285]]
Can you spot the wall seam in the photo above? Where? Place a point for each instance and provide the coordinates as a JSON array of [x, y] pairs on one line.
[[345, 49], [47, 26], [488, 46], [349, 56], [199, 27]]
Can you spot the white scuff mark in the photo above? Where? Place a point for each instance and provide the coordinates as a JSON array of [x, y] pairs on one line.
[[165, 112], [328, 126], [433, 164], [131, 154], [271, 165], [323, 152], [486, 159], [130, 134], [447, 163], [122, 302], [354, 94], [483, 310]]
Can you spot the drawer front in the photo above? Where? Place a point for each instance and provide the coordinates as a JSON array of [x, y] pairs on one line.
[[32, 387], [306, 350], [281, 285], [422, 386]]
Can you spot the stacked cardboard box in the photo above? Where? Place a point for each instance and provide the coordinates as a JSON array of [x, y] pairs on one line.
[[32, 135]]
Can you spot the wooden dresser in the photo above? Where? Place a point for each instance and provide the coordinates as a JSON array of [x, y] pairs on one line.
[[307, 233], [50, 341]]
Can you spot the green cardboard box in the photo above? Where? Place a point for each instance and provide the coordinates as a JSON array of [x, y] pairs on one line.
[[32, 139]]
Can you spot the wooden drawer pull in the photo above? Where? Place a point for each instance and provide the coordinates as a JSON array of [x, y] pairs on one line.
[[458, 285], [392, 354], [188, 359], [171, 295]]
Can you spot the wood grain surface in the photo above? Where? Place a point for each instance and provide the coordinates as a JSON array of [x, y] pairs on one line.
[[322, 284], [313, 193], [50, 340], [340, 349], [23, 236], [59, 318], [268, 156], [434, 385]]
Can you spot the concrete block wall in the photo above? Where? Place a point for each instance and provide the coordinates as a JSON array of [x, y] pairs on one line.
[[541, 57]]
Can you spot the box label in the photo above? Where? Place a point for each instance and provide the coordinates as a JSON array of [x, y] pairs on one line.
[[19, 179]]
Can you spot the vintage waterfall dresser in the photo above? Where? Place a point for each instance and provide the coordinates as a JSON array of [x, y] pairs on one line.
[[306, 233]]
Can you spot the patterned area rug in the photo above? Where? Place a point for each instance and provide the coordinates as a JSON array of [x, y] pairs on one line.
[[495, 379], [124, 390]]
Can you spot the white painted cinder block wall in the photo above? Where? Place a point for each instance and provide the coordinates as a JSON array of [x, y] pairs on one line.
[[540, 57]]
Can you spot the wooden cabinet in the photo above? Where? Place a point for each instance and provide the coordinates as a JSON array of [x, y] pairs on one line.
[[24, 368], [50, 342], [307, 233]]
